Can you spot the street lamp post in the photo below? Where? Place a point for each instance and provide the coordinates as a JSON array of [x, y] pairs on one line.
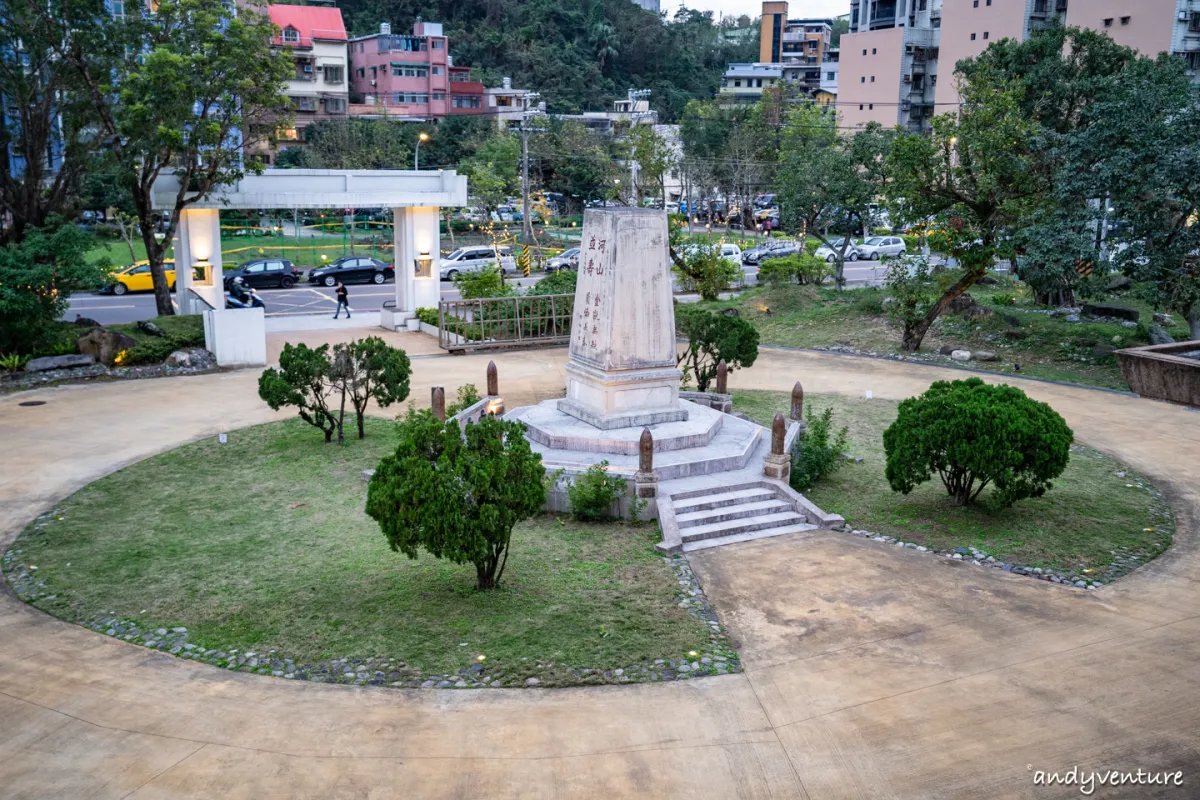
[[421, 137]]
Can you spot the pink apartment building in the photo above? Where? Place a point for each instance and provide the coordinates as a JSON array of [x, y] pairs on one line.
[[890, 59], [410, 76]]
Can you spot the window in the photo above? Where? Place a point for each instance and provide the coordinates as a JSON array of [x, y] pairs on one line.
[[504, 101], [1192, 60], [985, 35], [335, 105], [975, 4], [872, 79], [972, 37], [737, 83], [437, 70], [860, 107], [1108, 22], [863, 79], [116, 8], [401, 70], [1124, 20], [864, 51], [870, 106], [439, 95], [305, 103], [410, 98], [1194, 25], [467, 101], [438, 44], [254, 269], [874, 50], [408, 44], [829, 76], [362, 73], [758, 83], [923, 5], [335, 74], [290, 34], [989, 2]]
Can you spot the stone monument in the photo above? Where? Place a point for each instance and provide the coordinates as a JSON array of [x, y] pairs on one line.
[[622, 369]]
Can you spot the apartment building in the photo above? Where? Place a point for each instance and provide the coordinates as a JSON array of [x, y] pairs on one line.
[[506, 104], [744, 84], [890, 59], [827, 92], [799, 45], [316, 38]]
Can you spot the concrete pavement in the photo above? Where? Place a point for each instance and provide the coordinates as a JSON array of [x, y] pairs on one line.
[[871, 671]]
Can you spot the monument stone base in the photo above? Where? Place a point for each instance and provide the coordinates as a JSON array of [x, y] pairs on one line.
[[611, 399]]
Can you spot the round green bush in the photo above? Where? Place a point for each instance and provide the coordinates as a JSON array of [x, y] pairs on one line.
[[973, 434]]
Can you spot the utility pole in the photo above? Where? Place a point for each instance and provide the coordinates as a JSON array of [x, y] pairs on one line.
[[635, 115], [525, 130]]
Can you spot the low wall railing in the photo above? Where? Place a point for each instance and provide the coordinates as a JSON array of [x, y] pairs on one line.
[[505, 321]]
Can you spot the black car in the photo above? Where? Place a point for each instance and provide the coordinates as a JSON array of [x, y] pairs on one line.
[[352, 269], [265, 273]]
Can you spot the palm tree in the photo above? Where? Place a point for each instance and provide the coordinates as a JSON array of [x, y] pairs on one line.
[[604, 39]]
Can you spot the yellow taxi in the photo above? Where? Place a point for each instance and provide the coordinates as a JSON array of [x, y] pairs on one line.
[[136, 277]]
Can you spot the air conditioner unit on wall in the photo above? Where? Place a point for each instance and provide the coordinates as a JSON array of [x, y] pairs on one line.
[[308, 68]]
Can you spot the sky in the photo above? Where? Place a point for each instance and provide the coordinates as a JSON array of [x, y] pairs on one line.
[[753, 8]]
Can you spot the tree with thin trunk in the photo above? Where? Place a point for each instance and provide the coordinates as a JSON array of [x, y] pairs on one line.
[[47, 137], [457, 493], [184, 90], [973, 173]]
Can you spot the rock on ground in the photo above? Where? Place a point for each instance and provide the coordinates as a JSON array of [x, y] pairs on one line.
[[59, 362]]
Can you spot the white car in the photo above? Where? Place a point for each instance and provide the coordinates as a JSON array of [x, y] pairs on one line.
[[475, 259], [731, 253], [878, 246], [830, 254]]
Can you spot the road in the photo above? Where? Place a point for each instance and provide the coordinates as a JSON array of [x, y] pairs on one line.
[[302, 299]]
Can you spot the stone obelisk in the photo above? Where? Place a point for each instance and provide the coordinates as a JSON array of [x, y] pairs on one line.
[[621, 371]]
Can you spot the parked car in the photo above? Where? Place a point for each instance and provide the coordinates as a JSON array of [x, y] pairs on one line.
[[475, 259], [136, 278], [831, 253], [352, 269], [879, 246], [756, 254], [266, 273], [566, 260], [787, 248]]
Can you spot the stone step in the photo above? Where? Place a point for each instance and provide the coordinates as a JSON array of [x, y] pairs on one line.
[[748, 536], [746, 525], [722, 499], [695, 519], [678, 498]]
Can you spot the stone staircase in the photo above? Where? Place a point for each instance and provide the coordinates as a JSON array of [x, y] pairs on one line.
[[703, 518]]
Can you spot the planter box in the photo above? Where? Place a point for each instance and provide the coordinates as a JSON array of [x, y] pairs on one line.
[[1168, 372]]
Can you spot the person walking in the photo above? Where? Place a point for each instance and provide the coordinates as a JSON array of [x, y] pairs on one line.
[[343, 301]]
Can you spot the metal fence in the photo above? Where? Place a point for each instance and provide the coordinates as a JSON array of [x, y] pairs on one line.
[[505, 321]]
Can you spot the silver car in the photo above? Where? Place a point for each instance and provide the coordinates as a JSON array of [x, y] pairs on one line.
[[830, 254], [476, 259], [878, 246], [567, 259]]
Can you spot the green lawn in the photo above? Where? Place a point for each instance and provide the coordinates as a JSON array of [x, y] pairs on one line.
[[1044, 347], [262, 544], [1084, 522]]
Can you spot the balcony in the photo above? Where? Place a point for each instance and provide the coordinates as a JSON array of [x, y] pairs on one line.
[[882, 21]]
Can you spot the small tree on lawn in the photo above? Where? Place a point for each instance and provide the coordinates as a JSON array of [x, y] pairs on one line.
[[711, 339], [367, 368], [304, 380], [457, 494], [702, 267], [973, 434]]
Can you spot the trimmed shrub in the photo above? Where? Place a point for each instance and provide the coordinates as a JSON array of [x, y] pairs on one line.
[[814, 456], [428, 315], [973, 434], [711, 339], [594, 494]]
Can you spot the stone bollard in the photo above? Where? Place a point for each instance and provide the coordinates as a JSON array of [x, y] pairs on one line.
[[493, 380], [777, 464], [797, 415], [722, 377], [645, 482], [438, 402]]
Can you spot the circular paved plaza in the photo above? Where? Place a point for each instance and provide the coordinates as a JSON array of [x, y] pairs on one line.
[[870, 671]]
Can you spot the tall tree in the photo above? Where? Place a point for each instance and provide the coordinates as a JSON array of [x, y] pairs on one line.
[[655, 158], [827, 182], [182, 90], [974, 173], [46, 133]]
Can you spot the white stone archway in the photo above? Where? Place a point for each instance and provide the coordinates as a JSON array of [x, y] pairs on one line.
[[238, 338]]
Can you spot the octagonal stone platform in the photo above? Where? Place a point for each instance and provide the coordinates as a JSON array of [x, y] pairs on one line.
[[548, 425], [707, 442]]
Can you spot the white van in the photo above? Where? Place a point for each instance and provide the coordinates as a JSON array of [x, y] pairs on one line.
[[475, 259]]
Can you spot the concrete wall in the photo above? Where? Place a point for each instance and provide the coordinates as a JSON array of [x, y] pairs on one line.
[[417, 232], [238, 338], [869, 85], [1149, 27], [960, 19]]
